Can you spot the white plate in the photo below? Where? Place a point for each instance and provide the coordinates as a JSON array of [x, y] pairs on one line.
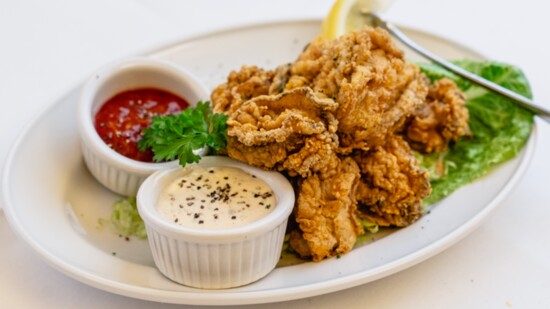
[[55, 205]]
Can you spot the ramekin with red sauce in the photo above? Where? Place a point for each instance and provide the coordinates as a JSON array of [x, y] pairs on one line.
[[117, 103]]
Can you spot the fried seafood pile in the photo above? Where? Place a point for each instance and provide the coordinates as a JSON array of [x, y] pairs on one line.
[[342, 122]]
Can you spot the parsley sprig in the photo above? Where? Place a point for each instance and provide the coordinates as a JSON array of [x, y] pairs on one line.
[[177, 136]]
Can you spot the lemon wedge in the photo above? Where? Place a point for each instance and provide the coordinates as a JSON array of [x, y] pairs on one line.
[[346, 15]]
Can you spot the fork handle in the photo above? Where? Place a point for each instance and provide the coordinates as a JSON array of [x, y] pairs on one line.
[[523, 101]]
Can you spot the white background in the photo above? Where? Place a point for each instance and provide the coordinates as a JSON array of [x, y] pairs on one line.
[[48, 47]]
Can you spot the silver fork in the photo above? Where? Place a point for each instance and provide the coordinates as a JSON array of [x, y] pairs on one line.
[[375, 20]]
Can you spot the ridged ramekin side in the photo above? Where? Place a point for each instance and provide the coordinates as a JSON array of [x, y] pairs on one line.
[[117, 180], [216, 266]]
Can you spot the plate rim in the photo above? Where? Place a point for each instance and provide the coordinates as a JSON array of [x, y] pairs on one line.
[[245, 297]]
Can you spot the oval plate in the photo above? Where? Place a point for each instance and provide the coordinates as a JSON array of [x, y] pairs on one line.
[[62, 220]]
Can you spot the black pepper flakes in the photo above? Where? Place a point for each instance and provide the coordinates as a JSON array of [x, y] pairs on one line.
[[223, 191]]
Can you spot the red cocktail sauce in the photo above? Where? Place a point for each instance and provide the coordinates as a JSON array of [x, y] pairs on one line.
[[121, 119]]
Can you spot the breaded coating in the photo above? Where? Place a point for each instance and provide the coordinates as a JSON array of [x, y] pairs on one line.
[[294, 131], [367, 75], [338, 122], [241, 86], [392, 184], [443, 118], [281, 76], [326, 212]]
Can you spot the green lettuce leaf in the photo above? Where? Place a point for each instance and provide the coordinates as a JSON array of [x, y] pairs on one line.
[[500, 127], [126, 220]]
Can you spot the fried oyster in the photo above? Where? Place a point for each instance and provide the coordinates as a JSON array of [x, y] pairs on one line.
[[367, 75], [326, 211], [392, 184], [442, 119], [294, 131], [341, 122]]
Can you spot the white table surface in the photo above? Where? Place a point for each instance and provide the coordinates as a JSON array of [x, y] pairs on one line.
[[47, 47]]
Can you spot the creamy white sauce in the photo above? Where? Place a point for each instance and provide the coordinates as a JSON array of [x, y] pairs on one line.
[[216, 198]]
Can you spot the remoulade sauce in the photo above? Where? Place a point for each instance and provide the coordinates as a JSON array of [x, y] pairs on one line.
[[215, 198]]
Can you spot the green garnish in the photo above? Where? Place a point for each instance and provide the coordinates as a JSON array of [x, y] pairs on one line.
[[369, 226], [126, 220], [178, 136]]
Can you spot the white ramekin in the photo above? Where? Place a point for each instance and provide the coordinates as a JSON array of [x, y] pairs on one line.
[[115, 171], [215, 259]]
